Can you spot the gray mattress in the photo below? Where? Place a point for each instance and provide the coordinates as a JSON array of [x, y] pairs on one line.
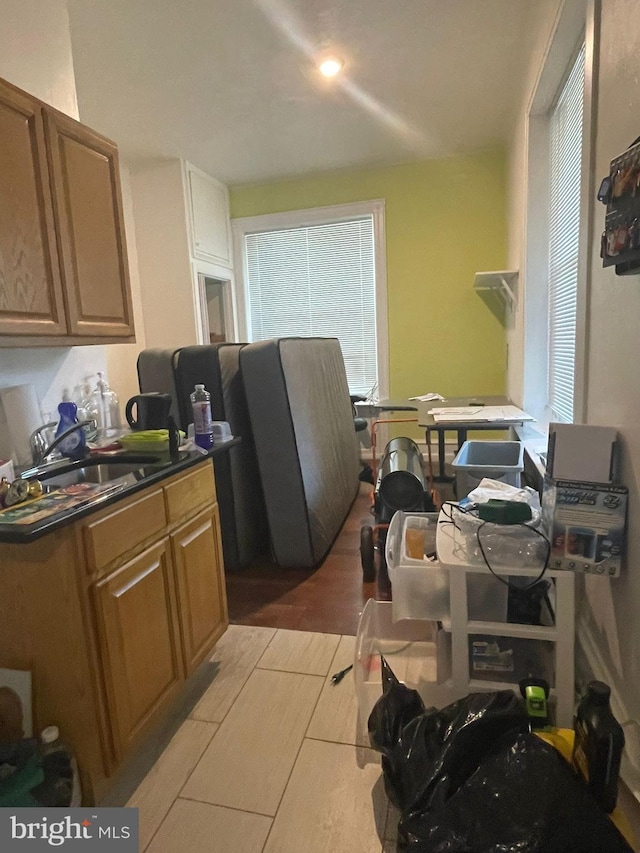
[[302, 421], [242, 514]]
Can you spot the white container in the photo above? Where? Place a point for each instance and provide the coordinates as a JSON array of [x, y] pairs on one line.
[[497, 460], [418, 654], [487, 597], [221, 431], [420, 587]]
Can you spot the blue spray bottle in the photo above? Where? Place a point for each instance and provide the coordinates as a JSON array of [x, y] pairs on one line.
[[74, 444]]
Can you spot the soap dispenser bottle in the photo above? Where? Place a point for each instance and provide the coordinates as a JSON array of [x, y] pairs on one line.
[[105, 404], [74, 444]]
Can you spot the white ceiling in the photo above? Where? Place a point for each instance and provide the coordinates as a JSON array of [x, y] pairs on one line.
[[230, 85]]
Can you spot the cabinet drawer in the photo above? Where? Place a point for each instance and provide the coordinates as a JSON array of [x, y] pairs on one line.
[[117, 532], [190, 493]]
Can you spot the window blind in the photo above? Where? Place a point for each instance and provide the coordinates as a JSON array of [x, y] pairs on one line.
[[317, 281], [564, 232]]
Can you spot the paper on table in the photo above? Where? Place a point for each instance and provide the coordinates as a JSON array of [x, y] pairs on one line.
[[481, 414], [427, 398], [450, 411]]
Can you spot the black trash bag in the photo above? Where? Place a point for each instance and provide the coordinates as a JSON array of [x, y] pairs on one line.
[[397, 706], [428, 755], [523, 798], [472, 779]]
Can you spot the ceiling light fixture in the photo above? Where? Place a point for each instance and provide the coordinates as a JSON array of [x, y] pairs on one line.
[[330, 67]]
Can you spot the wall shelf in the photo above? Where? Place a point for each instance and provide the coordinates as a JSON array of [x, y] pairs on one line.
[[502, 282]]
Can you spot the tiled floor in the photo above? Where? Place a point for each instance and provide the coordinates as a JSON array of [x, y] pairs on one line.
[[272, 758]]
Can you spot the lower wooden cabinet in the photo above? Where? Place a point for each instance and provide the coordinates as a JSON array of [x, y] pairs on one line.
[[111, 615], [202, 603], [138, 641]]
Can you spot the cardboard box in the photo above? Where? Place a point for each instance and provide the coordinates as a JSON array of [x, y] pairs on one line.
[[586, 525], [582, 452]]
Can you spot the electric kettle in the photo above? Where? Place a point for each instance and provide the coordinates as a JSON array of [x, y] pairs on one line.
[[152, 410]]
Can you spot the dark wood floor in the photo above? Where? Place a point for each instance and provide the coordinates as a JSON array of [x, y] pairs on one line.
[[328, 599]]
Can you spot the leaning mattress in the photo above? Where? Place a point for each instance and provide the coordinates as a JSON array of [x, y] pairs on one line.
[[302, 421], [176, 372], [242, 513]]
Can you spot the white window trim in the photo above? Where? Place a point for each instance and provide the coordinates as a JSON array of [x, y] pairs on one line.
[[319, 216], [576, 18]]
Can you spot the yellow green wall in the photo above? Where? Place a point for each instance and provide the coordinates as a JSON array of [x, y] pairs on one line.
[[445, 220]]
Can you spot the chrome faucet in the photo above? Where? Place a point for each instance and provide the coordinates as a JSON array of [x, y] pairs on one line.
[[39, 449]]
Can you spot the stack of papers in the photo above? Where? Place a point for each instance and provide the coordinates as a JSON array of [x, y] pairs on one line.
[[480, 414]]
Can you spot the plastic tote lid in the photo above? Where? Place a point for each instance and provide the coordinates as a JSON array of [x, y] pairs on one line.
[[50, 734]]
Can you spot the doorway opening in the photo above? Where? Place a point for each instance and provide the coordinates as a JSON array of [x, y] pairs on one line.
[[217, 309]]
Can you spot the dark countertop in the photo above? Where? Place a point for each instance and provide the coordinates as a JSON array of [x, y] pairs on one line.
[[145, 475]]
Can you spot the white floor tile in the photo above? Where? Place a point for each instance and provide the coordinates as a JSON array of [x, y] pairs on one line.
[[162, 784], [331, 804], [248, 762], [203, 828], [300, 651], [236, 654], [336, 716]]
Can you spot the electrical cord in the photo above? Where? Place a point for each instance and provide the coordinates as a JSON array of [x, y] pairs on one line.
[[504, 580], [449, 519]]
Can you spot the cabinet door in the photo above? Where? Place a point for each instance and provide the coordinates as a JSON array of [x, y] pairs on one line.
[[138, 641], [31, 301], [202, 597], [88, 210], [209, 208]]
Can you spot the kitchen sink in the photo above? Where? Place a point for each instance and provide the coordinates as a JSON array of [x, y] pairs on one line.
[[102, 472], [95, 469]]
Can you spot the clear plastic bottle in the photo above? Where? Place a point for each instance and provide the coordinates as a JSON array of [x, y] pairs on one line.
[[61, 785], [105, 405], [202, 426], [598, 744]]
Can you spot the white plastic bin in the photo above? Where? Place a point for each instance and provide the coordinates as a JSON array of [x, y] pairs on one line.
[[497, 460], [416, 650], [420, 587], [487, 597]]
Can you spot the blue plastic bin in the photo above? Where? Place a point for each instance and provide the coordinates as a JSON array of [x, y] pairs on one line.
[[498, 460]]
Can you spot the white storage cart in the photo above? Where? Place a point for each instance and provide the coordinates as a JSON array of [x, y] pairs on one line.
[[552, 648], [417, 652]]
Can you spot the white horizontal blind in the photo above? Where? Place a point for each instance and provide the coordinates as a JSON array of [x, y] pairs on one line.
[[317, 281], [564, 228]]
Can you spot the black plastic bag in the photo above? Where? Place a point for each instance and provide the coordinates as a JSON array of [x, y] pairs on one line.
[[397, 707], [471, 778]]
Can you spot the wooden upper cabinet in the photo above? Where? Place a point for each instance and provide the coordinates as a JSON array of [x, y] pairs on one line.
[[31, 301], [88, 210], [64, 275], [209, 217]]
